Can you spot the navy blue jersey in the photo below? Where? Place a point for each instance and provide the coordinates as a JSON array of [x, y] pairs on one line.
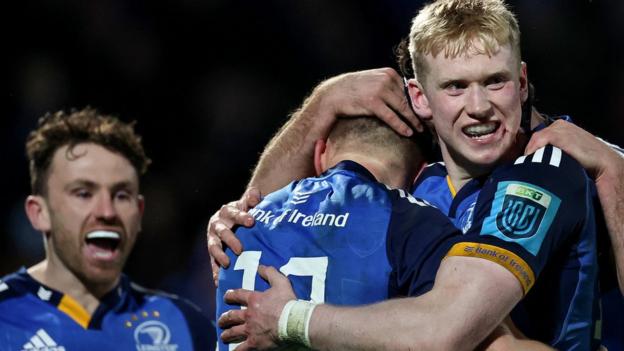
[[331, 236], [34, 317], [535, 218]]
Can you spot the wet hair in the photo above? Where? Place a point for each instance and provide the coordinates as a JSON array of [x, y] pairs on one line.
[[59, 129]]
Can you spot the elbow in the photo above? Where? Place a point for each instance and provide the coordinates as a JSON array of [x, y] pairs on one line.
[[436, 340], [452, 337]]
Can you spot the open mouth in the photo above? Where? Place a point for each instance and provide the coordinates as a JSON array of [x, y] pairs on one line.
[[481, 130], [103, 243]]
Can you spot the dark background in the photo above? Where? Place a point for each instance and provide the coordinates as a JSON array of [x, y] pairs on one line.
[[210, 81]]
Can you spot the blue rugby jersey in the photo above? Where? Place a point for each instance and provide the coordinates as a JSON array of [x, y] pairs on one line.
[[34, 317], [332, 236], [535, 218]]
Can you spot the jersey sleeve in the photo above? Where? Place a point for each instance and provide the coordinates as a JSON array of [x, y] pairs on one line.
[[419, 236], [526, 212]]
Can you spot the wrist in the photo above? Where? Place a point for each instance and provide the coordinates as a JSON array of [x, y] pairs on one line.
[[294, 322]]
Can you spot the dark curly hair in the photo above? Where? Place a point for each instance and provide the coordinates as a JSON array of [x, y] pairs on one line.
[[58, 129]]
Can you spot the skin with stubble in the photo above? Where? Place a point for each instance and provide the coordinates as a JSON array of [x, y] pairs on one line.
[[89, 189]]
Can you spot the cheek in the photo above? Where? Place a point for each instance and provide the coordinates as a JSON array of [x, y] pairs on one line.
[[131, 218]]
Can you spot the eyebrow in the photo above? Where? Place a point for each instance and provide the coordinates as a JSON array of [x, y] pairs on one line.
[[502, 73], [92, 185]]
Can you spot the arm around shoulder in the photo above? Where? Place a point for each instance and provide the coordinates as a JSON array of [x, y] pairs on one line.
[[471, 296]]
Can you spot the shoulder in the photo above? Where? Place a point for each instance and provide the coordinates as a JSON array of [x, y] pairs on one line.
[[548, 168], [143, 293], [430, 172], [200, 328], [548, 159], [415, 220], [11, 286]]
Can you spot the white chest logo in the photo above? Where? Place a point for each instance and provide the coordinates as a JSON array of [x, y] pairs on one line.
[[41, 341], [153, 336]]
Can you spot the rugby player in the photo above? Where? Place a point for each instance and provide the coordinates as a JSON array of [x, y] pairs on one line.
[[495, 77], [84, 169]]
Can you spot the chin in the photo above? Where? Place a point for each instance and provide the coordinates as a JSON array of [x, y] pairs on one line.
[[102, 277]]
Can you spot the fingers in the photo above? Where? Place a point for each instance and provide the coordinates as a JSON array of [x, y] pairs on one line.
[[397, 100], [215, 271], [538, 140], [251, 198], [274, 277], [234, 334], [220, 232], [391, 118], [217, 255], [228, 238], [231, 215], [243, 347], [231, 318], [237, 297]]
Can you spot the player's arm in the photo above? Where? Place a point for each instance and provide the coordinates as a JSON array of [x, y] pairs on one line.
[[506, 337], [469, 299], [289, 155], [605, 163]]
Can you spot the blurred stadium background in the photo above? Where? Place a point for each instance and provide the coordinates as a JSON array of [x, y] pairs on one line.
[[210, 81]]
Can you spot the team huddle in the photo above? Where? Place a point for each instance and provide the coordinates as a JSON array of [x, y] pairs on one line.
[[361, 240]]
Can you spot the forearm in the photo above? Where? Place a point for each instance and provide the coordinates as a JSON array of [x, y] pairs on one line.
[[610, 186], [290, 154], [382, 326], [456, 315]]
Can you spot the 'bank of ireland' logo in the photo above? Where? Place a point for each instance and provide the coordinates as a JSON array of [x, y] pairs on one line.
[[153, 336], [522, 211]]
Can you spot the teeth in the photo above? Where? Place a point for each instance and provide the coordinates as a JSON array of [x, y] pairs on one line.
[[480, 129], [103, 234], [103, 254]]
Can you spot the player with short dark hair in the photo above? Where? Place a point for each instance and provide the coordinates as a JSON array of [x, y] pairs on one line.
[[85, 169], [330, 234]]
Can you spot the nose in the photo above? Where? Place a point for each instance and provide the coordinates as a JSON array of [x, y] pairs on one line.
[[105, 208], [478, 103]]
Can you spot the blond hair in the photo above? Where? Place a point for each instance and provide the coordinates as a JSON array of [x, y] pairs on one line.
[[460, 27]]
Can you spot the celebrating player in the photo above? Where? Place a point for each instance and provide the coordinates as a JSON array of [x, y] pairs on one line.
[[85, 200], [471, 86]]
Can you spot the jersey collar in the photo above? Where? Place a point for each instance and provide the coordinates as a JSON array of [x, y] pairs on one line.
[[354, 167], [22, 283]]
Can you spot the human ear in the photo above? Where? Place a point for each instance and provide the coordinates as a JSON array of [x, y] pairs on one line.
[[419, 100], [319, 156], [38, 213]]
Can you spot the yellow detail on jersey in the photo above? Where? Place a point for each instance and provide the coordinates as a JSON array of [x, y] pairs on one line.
[[450, 186], [75, 311], [509, 260]]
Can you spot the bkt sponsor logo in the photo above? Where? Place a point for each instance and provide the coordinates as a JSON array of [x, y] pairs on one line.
[[153, 336]]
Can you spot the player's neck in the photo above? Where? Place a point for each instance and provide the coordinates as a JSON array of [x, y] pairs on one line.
[[384, 170], [63, 280]]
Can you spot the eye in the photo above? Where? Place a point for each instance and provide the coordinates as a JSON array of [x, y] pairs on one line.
[[454, 88], [82, 193], [496, 82], [123, 195]]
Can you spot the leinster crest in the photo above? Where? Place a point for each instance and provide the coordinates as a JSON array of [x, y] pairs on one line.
[[522, 211]]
